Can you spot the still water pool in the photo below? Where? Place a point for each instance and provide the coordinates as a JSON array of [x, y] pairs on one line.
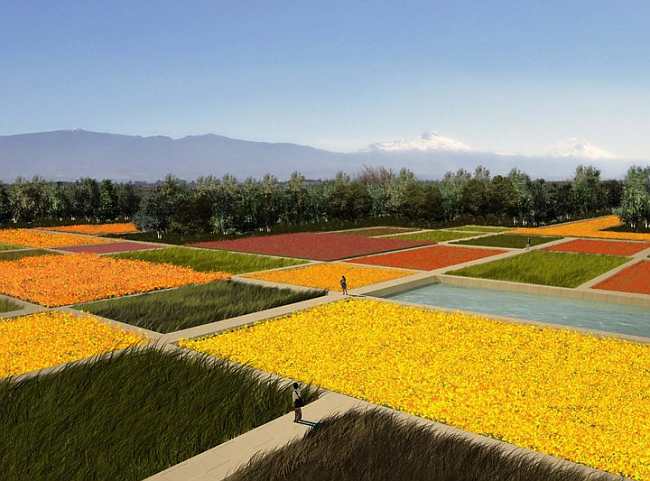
[[603, 316]]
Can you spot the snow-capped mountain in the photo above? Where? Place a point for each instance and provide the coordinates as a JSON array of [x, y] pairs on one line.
[[428, 141], [69, 155], [580, 148]]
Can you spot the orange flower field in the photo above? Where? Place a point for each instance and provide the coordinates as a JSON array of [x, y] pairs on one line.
[[586, 228], [34, 238], [327, 276], [96, 229], [68, 279], [51, 338]]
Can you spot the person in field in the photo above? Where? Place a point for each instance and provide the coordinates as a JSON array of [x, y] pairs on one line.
[[528, 243], [344, 285], [298, 403]]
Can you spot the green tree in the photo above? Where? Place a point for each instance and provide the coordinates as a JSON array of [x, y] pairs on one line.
[[27, 198], [502, 197], [451, 189], [540, 201], [165, 209], [523, 199], [129, 199], [587, 191], [635, 202], [86, 197], [108, 202], [5, 204]]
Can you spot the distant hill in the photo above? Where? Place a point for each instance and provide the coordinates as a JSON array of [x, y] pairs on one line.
[[70, 154]]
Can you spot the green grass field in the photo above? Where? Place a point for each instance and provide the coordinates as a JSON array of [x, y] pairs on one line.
[[508, 240], [547, 268], [14, 256], [129, 416], [211, 260], [191, 306], [376, 445], [6, 305], [5, 247], [436, 235], [480, 228]]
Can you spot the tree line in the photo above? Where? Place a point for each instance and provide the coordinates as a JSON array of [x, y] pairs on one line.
[[86, 199], [226, 205]]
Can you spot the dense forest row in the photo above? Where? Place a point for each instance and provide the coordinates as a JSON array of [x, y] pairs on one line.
[[227, 206]]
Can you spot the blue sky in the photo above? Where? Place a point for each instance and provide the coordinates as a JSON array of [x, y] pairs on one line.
[[501, 76]]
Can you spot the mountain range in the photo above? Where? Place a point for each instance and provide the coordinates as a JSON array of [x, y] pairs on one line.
[[70, 154]]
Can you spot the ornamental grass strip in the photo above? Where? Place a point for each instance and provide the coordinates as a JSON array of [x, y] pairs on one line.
[[635, 279], [587, 228], [34, 238], [204, 260], [378, 444], [612, 248], [51, 338], [555, 391], [96, 229], [436, 235], [327, 276], [68, 279], [130, 414]]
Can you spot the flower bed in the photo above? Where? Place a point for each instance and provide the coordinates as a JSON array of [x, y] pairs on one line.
[[96, 229], [556, 391], [327, 276], [34, 238], [307, 245], [51, 338], [377, 231], [612, 248], [428, 258], [67, 279], [113, 248], [635, 278], [587, 228]]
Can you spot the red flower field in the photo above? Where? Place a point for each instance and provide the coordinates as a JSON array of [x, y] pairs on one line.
[[635, 278], [612, 248], [429, 258], [307, 245], [115, 248]]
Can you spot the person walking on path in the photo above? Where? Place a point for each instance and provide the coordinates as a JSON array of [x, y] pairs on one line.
[[298, 403], [344, 285], [528, 243]]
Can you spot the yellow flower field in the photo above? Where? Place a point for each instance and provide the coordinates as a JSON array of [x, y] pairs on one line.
[[34, 238], [327, 276], [555, 391], [586, 228], [68, 279], [96, 229], [51, 338]]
